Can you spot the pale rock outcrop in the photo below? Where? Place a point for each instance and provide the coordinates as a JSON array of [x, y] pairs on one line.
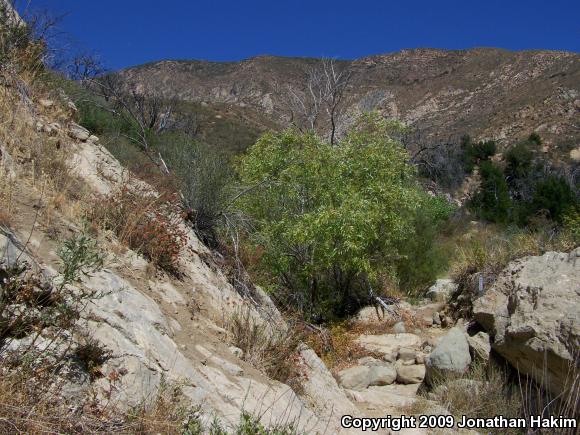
[[78, 132], [159, 328], [324, 394], [532, 313], [450, 356]]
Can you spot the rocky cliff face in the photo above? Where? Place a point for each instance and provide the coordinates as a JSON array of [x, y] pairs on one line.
[[487, 93]]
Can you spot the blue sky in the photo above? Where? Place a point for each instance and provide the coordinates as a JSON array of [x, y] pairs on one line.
[[130, 32]]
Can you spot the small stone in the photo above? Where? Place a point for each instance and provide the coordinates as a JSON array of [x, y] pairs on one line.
[[436, 318], [236, 351], [399, 328], [420, 358]]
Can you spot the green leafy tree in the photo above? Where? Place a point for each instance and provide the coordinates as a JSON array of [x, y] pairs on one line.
[[422, 258], [332, 218]]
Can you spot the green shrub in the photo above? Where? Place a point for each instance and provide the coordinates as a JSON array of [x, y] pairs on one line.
[[475, 153], [553, 195], [519, 160], [571, 222], [535, 138], [203, 175], [422, 257], [331, 218], [492, 202]]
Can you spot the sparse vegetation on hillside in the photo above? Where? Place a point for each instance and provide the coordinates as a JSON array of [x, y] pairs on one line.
[[144, 222], [524, 189]]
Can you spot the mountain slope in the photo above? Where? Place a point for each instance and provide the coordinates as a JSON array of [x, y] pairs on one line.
[[487, 93]]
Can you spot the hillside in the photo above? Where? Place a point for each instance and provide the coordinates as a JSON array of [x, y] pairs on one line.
[[484, 92], [155, 280]]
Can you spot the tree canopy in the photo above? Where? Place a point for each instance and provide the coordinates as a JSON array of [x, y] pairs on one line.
[[332, 218]]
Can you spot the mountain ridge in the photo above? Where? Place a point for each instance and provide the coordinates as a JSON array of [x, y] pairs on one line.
[[488, 93]]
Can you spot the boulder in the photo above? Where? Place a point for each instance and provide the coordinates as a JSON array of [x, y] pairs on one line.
[[532, 313], [382, 375], [407, 356], [450, 357], [391, 356], [479, 346], [78, 132], [441, 290], [354, 378], [410, 374], [369, 361]]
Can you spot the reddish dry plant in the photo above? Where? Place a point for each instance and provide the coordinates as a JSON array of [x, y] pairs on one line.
[[147, 224], [340, 350], [5, 219]]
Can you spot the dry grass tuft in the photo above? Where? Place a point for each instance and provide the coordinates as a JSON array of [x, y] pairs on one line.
[[31, 403], [484, 392], [488, 251], [340, 350], [537, 401], [146, 223], [273, 350]]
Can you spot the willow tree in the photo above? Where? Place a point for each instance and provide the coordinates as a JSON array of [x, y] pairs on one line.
[[330, 218]]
